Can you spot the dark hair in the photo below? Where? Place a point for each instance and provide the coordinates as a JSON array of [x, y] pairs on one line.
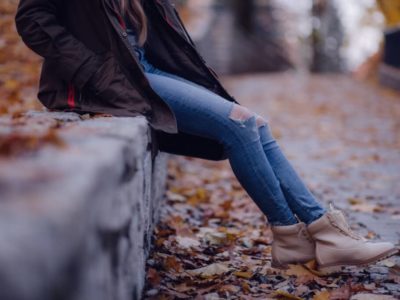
[[133, 9]]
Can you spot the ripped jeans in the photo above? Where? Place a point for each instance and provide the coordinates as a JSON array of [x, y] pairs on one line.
[[253, 153]]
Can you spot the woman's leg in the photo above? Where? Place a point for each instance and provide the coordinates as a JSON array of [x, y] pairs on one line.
[[203, 113], [299, 198]]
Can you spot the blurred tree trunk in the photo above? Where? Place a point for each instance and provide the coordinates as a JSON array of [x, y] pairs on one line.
[[259, 43], [244, 14], [326, 37], [244, 36]]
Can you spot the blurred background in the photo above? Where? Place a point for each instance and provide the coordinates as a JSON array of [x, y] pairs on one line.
[[360, 37], [355, 36]]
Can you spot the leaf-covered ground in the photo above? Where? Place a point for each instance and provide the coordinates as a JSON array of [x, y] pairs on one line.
[[343, 138], [19, 66]]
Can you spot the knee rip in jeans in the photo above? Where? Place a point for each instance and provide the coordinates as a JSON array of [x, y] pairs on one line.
[[242, 114]]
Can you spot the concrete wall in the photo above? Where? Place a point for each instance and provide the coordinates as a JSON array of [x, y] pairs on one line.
[[76, 221]]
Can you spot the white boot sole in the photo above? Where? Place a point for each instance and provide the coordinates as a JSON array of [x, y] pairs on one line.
[[340, 267]]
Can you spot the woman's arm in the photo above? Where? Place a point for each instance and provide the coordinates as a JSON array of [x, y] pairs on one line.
[[38, 24]]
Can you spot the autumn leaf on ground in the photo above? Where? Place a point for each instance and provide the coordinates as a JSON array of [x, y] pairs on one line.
[[210, 270], [285, 295], [323, 295], [187, 242]]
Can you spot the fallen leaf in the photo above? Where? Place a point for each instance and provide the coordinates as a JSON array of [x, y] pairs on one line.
[[245, 287], [175, 197], [187, 242], [285, 295], [153, 277], [211, 296], [324, 295], [355, 201], [216, 238], [312, 267], [390, 263], [367, 208], [229, 288], [343, 292], [210, 270], [170, 262], [298, 270], [246, 275]]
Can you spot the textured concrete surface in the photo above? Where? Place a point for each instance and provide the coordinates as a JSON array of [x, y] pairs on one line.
[[76, 220]]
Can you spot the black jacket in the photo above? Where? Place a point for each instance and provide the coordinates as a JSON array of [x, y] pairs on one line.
[[89, 67]]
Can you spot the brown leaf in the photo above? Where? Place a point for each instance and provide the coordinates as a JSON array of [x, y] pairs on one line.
[[230, 288], [245, 287], [170, 262], [298, 270], [246, 275], [285, 295], [153, 277], [343, 292]]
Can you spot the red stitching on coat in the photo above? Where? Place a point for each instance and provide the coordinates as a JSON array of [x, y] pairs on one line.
[[121, 22], [71, 96]]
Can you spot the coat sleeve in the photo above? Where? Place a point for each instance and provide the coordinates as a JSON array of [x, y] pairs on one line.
[[40, 29]]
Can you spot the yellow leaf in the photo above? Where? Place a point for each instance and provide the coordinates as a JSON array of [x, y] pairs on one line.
[[311, 266], [285, 295], [297, 270], [246, 275], [201, 193], [11, 84], [324, 295], [354, 201]]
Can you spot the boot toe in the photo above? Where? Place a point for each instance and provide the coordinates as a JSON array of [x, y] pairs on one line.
[[381, 251]]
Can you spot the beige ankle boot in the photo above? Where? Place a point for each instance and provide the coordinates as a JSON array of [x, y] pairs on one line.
[[291, 245], [338, 246]]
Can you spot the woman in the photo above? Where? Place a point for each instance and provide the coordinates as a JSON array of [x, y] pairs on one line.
[[128, 58]]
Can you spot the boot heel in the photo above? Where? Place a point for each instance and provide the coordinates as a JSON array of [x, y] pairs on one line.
[[292, 245]]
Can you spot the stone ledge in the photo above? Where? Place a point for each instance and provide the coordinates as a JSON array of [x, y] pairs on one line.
[[76, 221]]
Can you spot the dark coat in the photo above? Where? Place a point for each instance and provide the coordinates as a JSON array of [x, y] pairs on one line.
[[89, 66]]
